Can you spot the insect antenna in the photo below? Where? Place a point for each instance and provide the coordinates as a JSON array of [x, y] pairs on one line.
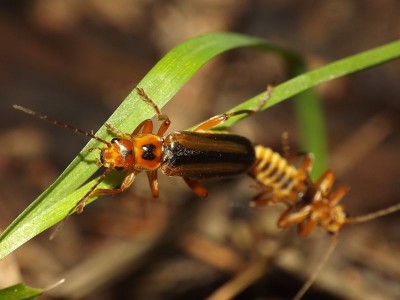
[[316, 272], [59, 123], [60, 225], [373, 215]]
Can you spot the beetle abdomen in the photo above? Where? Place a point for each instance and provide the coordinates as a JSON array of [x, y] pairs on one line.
[[204, 155]]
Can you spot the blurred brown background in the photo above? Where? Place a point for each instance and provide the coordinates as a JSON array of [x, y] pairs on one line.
[[76, 60]]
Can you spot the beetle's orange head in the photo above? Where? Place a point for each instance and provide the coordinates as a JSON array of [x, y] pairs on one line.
[[119, 154]]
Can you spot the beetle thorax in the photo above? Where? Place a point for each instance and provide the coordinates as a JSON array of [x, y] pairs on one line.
[[147, 150]]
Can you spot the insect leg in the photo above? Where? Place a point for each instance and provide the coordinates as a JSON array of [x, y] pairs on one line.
[[285, 144], [146, 126], [307, 162], [161, 117], [290, 218], [196, 187], [263, 198], [220, 119], [163, 127], [81, 204], [338, 195], [152, 176], [126, 183]]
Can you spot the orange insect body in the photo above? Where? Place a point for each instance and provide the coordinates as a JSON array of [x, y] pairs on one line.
[[142, 151], [191, 155], [119, 154], [317, 207], [308, 204]]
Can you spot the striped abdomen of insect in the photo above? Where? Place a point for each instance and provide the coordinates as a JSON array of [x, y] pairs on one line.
[[280, 181], [309, 204]]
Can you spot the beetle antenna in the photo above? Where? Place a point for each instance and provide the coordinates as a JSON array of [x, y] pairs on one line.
[[318, 269], [59, 123], [373, 215]]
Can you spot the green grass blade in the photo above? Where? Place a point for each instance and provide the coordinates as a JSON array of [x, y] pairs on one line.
[[161, 83], [312, 128], [309, 113], [19, 292]]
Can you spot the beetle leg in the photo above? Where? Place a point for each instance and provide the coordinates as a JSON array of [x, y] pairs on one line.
[[152, 176], [263, 198], [126, 183], [289, 218], [220, 119], [325, 182], [81, 204], [337, 195], [306, 227], [308, 158], [307, 162], [146, 126], [164, 126], [196, 187], [142, 94], [285, 144], [161, 117]]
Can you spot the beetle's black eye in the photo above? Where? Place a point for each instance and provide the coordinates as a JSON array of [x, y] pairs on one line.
[[114, 140], [148, 152]]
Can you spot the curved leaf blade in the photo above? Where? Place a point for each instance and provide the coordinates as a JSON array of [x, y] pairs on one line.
[[162, 82]]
